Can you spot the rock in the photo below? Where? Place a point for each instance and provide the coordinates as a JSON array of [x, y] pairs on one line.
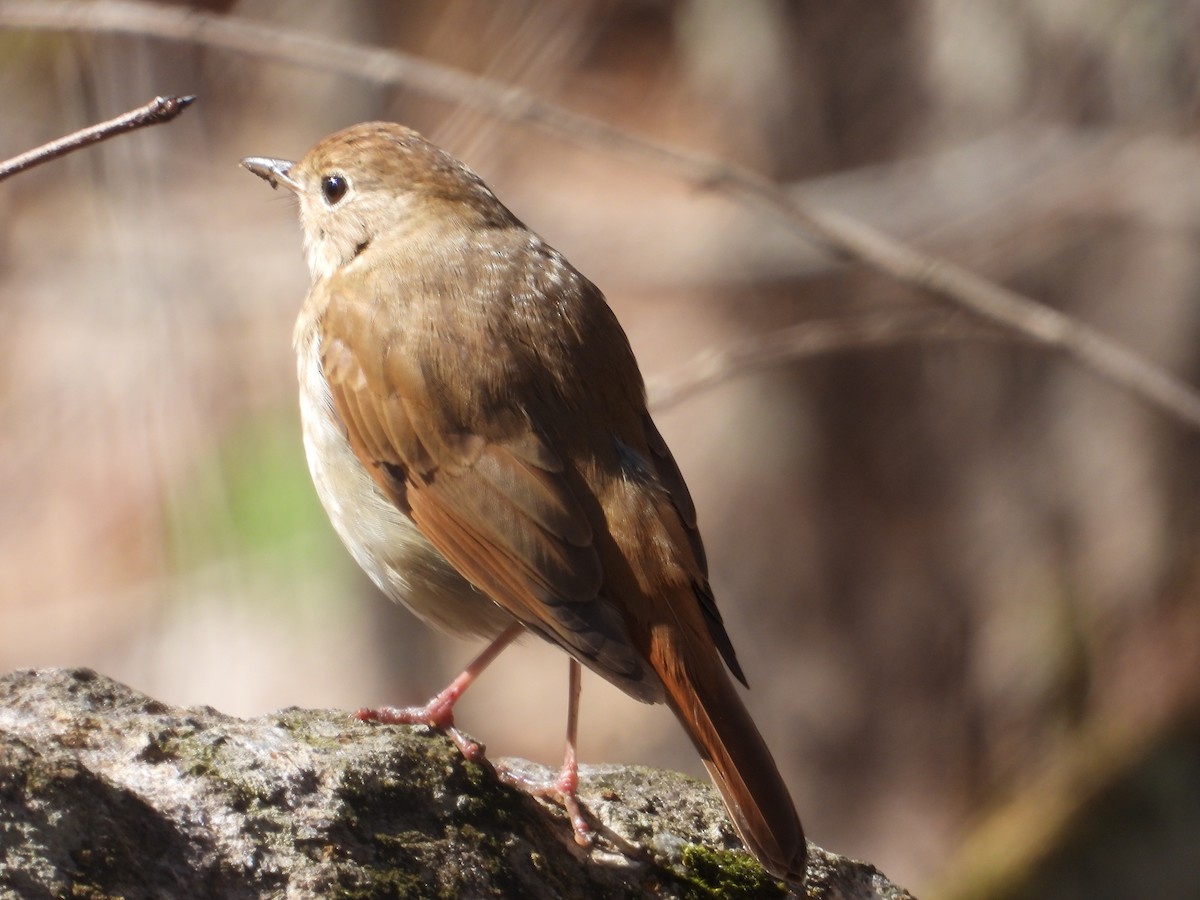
[[105, 792]]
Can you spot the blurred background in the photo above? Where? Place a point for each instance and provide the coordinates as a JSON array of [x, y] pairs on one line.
[[960, 571]]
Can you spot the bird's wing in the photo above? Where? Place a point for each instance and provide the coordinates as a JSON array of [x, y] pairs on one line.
[[491, 496]]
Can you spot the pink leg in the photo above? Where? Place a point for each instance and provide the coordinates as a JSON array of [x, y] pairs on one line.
[[563, 789], [439, 712]]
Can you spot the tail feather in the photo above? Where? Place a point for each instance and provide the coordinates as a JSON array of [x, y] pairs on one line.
[[708, 706]]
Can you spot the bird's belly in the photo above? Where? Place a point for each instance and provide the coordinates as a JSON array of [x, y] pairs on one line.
[[383, 540]]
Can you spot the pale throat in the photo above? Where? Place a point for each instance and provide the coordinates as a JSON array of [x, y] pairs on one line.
[[324, 255]]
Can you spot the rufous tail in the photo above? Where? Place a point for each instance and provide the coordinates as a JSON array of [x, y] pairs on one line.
[[707, 704]]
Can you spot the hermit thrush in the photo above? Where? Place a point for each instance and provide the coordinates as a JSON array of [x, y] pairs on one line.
[[476, 426]]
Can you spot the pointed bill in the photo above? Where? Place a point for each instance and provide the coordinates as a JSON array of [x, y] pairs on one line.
[[273, 171]]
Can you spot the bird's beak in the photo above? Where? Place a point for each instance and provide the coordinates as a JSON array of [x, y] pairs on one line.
[[272, 171]]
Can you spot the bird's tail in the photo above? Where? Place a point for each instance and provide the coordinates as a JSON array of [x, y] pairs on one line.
[[707, 704]]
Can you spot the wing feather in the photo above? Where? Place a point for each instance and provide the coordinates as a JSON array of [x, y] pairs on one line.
[[496, 501]]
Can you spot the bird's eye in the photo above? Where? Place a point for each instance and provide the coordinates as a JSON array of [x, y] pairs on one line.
[[334, 187]]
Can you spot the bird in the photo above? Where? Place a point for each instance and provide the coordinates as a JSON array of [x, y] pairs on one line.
[[476, 427]]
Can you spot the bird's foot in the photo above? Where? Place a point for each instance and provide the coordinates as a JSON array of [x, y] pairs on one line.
[[563, 790], [437, 713]]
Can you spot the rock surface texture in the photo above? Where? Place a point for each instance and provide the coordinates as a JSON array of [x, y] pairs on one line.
[[105, 792]]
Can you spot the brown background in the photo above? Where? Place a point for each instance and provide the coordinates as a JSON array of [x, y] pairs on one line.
[[960, 572]]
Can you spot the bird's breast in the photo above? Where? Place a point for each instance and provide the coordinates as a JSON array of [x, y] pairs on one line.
[[383, 540]]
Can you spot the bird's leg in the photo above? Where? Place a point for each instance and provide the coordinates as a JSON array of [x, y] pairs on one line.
[[563, 789], [439, 711]]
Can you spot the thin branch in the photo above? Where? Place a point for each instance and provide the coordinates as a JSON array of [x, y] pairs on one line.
[[945, 280], [157, 111], [840, 235], [808, 339]]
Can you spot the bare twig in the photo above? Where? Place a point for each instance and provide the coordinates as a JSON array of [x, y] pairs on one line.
[[808, 339], [992, 302], [839, 234], [157, 111]]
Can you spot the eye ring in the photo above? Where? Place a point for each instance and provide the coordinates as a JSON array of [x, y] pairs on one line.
[[334, 188]]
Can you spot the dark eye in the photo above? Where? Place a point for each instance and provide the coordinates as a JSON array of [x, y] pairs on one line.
[[334, 188]]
